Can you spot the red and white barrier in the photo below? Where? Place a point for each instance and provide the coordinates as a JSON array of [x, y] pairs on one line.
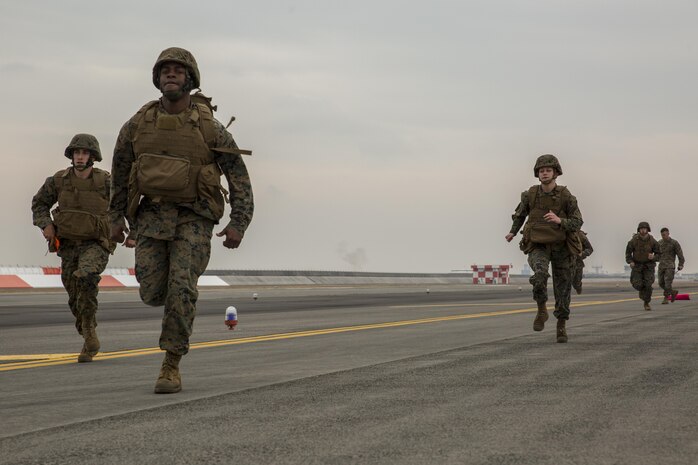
[[490, 274], [50, 277]]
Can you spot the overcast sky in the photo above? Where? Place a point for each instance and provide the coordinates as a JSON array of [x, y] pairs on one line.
[[387, 135]]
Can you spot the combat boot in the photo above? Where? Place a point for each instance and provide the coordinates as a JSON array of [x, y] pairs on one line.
[[541, 317], [561, 331], [84, 356], [169, 380], [90, 335], [665, 301], [578, 289], [647, 306], [673, 296]]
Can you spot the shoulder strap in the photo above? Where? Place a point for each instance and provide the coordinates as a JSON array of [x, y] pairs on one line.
[[199, 97], [565, 195], [206, 126], [532, 194], [100, 179], [147, 112], [62, 173], [60, 177]]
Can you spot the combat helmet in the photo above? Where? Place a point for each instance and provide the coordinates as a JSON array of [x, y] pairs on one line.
[[84, 141], [643, 224], [181, 56], [547, 161]]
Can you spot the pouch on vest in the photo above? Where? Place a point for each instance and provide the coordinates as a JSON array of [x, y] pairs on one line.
[[547, 233], [166, 177], [162, 172], [77, 225], [210, 189], [525, 245], [574, 244]]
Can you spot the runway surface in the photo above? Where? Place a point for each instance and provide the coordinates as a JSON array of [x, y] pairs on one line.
[[356, 375]]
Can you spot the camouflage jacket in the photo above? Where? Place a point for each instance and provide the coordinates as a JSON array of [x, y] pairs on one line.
[[158, 220], [42, 202], [670, 250], [633, 249], [572, 223]]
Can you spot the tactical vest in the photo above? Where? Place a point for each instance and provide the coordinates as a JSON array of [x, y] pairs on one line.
[[538, 230], [82, 205], [174, 159], [642, 248]]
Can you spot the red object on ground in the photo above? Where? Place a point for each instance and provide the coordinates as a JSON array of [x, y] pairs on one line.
[[683, 297]]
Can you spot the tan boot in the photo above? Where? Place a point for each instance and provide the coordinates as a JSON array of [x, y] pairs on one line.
[[561, 331], [647, 306], [169, 380], [673, 295], [541, 317], [90, 335], [665, 301], [84, 355]]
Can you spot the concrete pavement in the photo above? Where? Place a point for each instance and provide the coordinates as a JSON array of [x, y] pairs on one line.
[[475, 385]]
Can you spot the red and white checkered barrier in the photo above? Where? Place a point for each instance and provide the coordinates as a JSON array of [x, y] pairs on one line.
[[50, 277], [490, 274]]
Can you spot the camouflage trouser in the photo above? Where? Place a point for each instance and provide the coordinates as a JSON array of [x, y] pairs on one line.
[[82, 263], [642, 277], [577, 273], [539, 260], [666, 280], [168, 272]]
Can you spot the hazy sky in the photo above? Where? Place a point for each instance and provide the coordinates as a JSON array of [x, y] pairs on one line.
[[387, 135]]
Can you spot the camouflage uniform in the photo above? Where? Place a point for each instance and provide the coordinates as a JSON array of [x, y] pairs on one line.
[[540, 256], [578, 268], [82, 260], [173, 240], [670, 249], [642, 274]]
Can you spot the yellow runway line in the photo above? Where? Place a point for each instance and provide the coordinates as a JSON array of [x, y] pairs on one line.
[[43, 360], [34, 357]]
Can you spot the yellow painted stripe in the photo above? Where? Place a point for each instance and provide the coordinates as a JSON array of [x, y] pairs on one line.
[[43, 360], [502, 304], [35, 356]]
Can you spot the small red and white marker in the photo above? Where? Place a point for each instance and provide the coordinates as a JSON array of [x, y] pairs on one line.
[[231, 317]]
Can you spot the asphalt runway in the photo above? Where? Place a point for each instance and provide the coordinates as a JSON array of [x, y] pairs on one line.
[[336, 375]]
